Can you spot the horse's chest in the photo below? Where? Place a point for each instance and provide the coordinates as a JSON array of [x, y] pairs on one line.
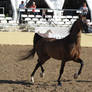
[[75, 51]]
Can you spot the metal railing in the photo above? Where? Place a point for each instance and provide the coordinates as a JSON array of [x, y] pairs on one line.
[[39, 11], [53, 12], [71, 10]]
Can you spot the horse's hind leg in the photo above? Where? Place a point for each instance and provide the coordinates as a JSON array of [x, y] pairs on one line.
[[42, 71], [79, 72], [39, 64], [61, 72], [32, 75]]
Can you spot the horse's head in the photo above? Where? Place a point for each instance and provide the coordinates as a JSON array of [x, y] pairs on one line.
[[79, 25]]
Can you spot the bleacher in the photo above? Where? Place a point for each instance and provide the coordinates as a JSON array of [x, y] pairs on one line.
[[3, 18], [50, 18]]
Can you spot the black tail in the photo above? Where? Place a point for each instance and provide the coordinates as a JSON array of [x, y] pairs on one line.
[[32, 52]]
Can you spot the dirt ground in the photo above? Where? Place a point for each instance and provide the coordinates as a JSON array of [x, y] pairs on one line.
[[15, 74]]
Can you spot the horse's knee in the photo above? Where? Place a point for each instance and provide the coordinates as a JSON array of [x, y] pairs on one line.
[[79, 61], [79, 72]]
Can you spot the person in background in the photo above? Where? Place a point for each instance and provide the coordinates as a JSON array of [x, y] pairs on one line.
[[84, 9], [84, 13], [33, 8], [22, 5], [43, 13]]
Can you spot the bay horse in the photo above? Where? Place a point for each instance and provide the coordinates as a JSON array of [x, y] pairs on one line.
[[65, 49]]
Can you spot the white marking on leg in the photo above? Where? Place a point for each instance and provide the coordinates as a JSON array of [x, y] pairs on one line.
[[42, 74], [32, 79]]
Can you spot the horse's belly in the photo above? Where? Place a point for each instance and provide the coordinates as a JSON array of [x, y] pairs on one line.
[[56, 54], [59, 58]]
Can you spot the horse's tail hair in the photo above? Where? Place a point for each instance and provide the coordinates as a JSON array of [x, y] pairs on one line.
[[31, 53]]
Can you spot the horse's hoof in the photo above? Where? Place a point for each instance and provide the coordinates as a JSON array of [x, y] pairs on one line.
[[42, 75], [75, 75], [32, 80], [59, 84]]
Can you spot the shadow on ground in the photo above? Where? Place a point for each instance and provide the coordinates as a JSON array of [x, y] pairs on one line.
[[46, 83]]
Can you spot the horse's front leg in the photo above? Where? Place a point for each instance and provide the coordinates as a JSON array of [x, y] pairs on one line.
[[42, 69], [79, 72], [61, 72]]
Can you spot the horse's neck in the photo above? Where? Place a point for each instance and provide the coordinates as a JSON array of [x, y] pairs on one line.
[[75, 37]]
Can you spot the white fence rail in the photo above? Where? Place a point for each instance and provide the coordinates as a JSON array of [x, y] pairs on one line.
[[44, 15]]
